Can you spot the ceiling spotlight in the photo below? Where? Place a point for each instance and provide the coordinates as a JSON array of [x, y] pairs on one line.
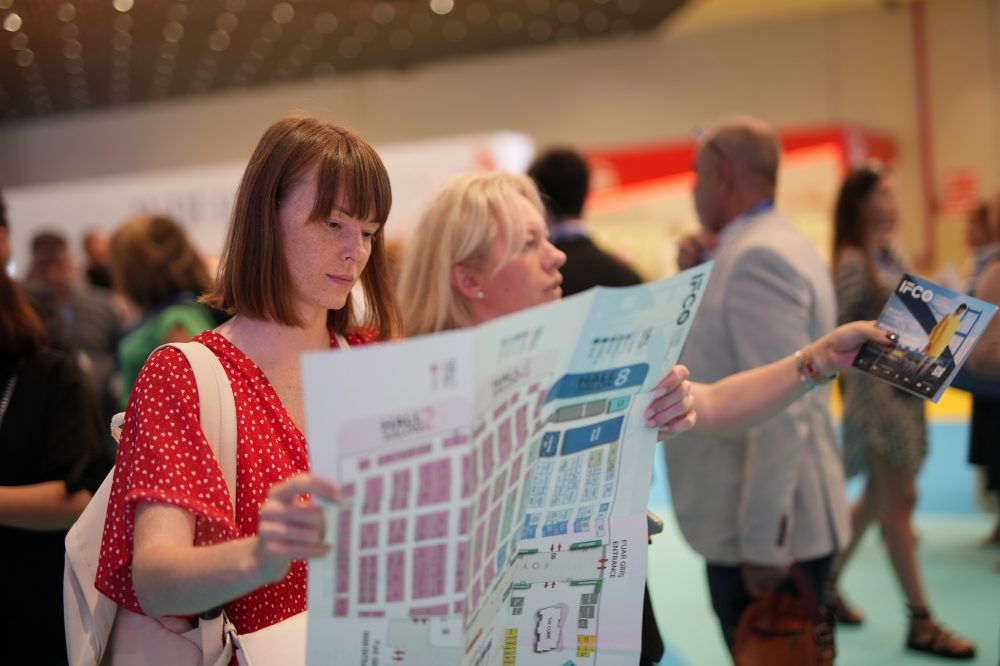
[[383, 13], [122, 5], [122, 22], [177, 12], [326, 23], [173, 32], [66, 12], [283, 13], [19, 41], [25, 58], [12, 23], [218, 40], [121, 41], [227, 22], [270, 32], [72, 49], [442, 7], [70, 31]]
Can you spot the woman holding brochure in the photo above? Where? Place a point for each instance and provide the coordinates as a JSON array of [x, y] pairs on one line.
[[885, 432], [306, 227], [482, 251]]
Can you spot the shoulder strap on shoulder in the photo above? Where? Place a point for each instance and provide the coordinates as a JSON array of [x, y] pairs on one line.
[[341, 341], [216, 405]]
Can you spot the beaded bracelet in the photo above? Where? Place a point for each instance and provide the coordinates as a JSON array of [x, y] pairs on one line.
[[809, 372]]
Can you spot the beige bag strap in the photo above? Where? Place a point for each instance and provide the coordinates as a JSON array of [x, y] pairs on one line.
[[341, 341], [216, 406], [217, 414]]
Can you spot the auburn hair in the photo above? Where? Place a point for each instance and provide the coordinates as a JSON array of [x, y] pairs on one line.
[[253, 277]]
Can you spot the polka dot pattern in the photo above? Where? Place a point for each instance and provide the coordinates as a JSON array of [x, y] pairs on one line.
[[164, 457]]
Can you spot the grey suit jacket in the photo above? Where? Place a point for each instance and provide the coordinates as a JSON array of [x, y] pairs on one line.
[[776, 491]]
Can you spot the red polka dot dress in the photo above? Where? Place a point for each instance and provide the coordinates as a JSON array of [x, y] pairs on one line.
[[164, 457]]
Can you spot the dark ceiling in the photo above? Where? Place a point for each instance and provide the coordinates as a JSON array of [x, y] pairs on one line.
[[60, 56]]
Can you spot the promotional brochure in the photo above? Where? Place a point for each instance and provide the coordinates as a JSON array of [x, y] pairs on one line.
[[934, 330]]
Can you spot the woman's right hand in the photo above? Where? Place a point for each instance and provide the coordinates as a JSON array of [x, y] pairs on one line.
[[837, 349], [291, 525]]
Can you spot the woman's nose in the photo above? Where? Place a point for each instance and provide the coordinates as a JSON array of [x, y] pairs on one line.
[[556, 256], [353, 248]]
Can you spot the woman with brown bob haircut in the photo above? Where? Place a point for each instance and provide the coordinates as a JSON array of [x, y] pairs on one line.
[[306, 227]]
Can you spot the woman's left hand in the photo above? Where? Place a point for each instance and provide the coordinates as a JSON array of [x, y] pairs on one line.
[[672, 408]]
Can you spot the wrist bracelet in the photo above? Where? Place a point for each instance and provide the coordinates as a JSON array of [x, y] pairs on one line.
[[809, 372]]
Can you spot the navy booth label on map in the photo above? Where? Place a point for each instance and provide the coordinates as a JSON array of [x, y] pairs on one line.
[[579, 439], [572, 386]]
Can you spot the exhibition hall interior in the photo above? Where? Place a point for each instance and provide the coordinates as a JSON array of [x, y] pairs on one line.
[[113, 111]]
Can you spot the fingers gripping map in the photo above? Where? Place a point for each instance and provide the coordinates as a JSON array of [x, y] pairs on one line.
[[494, 484]]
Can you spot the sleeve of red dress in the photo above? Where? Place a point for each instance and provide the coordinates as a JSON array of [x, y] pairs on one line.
[[163, 457]]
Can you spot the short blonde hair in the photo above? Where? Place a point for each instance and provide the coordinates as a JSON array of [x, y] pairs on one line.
[[458, 228]]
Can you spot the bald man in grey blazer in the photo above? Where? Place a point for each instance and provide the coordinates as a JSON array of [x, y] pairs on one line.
[[753, 502]]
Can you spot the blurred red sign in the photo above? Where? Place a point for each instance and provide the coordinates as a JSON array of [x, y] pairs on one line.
[[961, 190]]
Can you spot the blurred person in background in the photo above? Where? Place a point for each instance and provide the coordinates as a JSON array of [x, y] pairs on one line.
[[885, 430], [563, 178], [982, 233], [752, 503], [154, 264], [86, 312], [53, 457], [98, 252]]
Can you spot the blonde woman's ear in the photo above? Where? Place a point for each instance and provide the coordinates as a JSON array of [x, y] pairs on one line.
[[466, 282]]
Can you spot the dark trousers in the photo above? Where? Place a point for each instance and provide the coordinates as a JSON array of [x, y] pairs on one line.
[[730, 596], [652, 643]]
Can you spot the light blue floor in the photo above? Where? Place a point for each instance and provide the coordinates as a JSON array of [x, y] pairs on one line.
[[964, 590]]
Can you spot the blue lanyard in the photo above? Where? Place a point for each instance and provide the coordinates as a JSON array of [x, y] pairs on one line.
[[762, 207]]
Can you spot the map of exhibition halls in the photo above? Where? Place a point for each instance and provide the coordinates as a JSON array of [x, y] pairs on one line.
[[493, 485], [565, 553]]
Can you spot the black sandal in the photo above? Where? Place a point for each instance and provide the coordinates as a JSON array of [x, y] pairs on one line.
[[936, 639], [844, 614]]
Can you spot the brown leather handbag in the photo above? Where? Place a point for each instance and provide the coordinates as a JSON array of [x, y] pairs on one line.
[[780, 629]]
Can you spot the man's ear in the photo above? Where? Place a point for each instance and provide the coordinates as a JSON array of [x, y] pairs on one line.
[[725, 173], [466, 281]]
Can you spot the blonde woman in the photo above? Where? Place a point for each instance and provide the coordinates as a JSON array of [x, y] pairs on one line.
[[481, 251]]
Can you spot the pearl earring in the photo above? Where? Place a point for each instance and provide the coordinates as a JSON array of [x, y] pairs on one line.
[[480, 295]]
